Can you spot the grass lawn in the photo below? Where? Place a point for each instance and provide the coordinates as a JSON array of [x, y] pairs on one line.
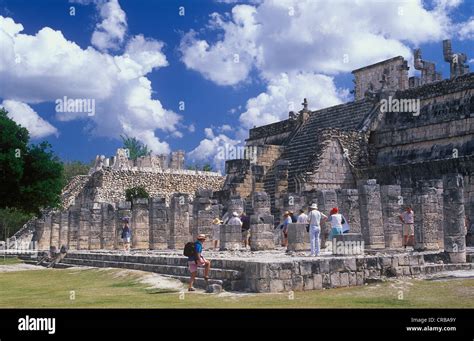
[[101, 288], [9, 261]]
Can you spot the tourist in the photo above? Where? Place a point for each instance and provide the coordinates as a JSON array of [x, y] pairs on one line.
[[408, 220], [337, 220], [216, 230], [314, 220], [302, 218], [293, 218], [235, 220], [284, 228], [245, 229], [126, 235], [197, 260]]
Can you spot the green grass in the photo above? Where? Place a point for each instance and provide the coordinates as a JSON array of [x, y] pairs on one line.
[[9, 261], [94, 288]]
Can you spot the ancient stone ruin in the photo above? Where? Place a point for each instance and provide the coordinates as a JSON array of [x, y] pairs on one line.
[[402, 142]]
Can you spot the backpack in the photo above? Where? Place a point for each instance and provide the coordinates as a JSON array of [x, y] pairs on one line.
[[189, 249]]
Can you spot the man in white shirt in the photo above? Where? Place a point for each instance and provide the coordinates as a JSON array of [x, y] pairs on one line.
[[302, 218], [235, 220], [314, 219]]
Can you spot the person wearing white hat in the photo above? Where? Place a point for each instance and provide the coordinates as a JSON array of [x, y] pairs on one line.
[[235, 220], [314, 219]]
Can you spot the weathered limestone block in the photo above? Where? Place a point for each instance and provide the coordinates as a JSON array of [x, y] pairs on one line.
[[108, 226], [298, 237], [179, 222], [454, 215], [74, 221], [63, 228], [371, 214], [261, 236], [391, 207], [235, 204], [348, 203], [348, 244], [428, 210], [124, 209], [44, 233], [203, 224], [159, 223], [230, 237], [261, 223], [84, 229], [55, 221], [140, 224], [95, 233]]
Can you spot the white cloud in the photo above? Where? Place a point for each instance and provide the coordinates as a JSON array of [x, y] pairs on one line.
[[110, 33], [213, 149], [191, 128], [294, 45], [230, 60], [46, 66], [24, 115], [466, 29], [285, 93]]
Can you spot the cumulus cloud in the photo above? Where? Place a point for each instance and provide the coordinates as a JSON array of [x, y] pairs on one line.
[[295, 46], [466, 30], [46, 66], [110, 33], [215, 149], [24, 115]]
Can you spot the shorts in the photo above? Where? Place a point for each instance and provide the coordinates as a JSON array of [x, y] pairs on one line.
[[216, 232], [408, 230], [192, 266], [245, 234], [126, 240]]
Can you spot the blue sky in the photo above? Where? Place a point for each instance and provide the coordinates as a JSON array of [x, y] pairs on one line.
[[285, 50]]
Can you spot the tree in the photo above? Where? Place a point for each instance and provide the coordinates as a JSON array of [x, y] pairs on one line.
[[30, 175], [135, 147], [73, 168], [11, 220], [136, 192], [207, 167]]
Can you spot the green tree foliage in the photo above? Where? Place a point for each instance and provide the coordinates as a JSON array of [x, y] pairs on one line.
[[135, 147], [30, 175], [207, 167], [136, 192], [11, 220], [73, 168]]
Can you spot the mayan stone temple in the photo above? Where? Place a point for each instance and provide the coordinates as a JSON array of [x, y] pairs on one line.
[[403, 141]]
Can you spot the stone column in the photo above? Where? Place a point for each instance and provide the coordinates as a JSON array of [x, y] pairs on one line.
[[108, 226], [179, 222], [391, 208], [73, 235], [140, 224], [95, 226], [43, 228], [205, 210], [298, 237], [326, 200], [454, 215], [371, 214], [124, 209], [230, 237], [63, 228], [348, 203], [428, 210], [281, 181], [55, 221], [159, 224], [84, 229], [261, 223]]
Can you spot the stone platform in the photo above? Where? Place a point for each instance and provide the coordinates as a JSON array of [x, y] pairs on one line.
[[275, 271]]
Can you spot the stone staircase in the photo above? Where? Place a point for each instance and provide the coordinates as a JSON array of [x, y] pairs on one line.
[[170, 266]]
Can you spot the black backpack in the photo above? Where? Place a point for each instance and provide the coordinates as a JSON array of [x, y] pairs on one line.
[[189, 249]]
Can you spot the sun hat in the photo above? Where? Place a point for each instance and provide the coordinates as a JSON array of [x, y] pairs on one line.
[[235, 214], [314, 206], [201, 236]]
